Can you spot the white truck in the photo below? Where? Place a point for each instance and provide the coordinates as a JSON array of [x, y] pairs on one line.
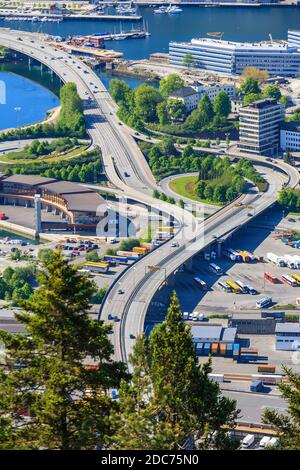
[[290, 261], [247, 441], [264, 442], [278, 260], [273, 442]]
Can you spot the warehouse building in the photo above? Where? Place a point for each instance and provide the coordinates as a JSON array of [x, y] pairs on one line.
[[78, 206], [256, 324], [287, 336], [210, 334]]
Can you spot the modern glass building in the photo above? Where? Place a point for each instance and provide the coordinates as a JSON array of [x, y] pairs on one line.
[[228, 57]]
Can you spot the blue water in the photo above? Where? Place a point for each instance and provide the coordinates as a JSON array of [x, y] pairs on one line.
[[132, 82], [237, 23], [19, 92]]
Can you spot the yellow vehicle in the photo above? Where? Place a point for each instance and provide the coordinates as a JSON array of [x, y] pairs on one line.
[[297, 278], [234, 287]]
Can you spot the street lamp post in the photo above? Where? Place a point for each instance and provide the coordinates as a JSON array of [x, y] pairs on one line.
[[18, 110]]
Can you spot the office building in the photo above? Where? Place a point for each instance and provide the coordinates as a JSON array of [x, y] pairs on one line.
[[290, 136], [294, 38], [259, 130], [230, 58], [287, 336]]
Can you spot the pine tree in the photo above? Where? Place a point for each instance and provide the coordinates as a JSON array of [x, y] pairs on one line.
[[44, 372], [171, 397], [288, 425]]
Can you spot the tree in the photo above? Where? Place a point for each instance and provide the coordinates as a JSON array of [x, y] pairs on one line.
[[44, 372], [287, 425], [176, 109], [156, 194], [200, 188], [44, 254], [252, 72], [209, 192], [250, 98], [146, 101], [181, 203], [92, 256], [272, 91], [171, 397], [249, 85], [188, 60], [169, 84], [222, 105], [120, 91], [162, 113]]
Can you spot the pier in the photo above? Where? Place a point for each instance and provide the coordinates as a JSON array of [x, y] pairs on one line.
[[14, 16]]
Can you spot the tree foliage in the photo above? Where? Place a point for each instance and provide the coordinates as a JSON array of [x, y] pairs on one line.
[[44, 372]]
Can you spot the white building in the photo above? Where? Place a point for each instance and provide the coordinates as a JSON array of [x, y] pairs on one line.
[[290, 136], [188, 95], [287, 336], [228, 57], [191, 95]]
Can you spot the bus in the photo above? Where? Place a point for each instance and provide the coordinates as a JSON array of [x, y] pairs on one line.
[[297, 278], [224, 287], [242, 286], [201, 284], [264, 302], [215, 269], [289, 280], [234, 287], [269, 277]]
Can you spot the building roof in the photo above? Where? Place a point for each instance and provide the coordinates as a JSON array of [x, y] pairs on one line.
[[261, 104], [183, 92], [287, 328], [293, 126], [209, 332], [78, 198], [229, 334], [262, 46], [30, 180]]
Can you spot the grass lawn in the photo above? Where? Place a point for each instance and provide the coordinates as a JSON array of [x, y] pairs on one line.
[[185, 186], [294, 213], [19, 158]]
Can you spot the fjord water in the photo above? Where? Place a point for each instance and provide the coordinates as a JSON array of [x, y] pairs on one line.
[[20, 92], [238, 23]]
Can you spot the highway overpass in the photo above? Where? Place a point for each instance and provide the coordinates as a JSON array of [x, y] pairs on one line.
[[121, 156]]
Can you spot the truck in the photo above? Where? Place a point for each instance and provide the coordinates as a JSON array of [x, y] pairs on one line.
[[97, 267], [185, 315], [273, 442], [247, 441], [256, 386], [245, 256], [278, 260], [129, 254], [264, 442], [290, 261], [116, 259]]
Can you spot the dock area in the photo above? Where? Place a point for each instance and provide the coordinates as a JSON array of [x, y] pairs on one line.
[[46, 16], [103, 55]]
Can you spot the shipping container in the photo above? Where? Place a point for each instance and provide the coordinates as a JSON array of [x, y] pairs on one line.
[[129, 254], [199, 349], [222, 349], [97, 267], [236, 349], [215, 348], [140, 249], [267, 369], [166, 229], [248, 351], [268, 379], [206, 349], [229, 349], [216, 377], [256, 386], [116, 259]]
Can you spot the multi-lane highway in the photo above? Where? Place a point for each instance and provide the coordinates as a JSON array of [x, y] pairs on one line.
[[127, 170]]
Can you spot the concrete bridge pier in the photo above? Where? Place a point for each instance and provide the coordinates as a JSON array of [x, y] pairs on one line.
[[219, 248]]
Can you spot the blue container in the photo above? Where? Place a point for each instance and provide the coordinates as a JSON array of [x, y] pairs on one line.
[[199, 349], [114, 394], [256, 386], [206, 349], [236, 350], [229, 349]]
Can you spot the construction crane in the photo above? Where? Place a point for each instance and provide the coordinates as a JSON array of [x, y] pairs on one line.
[[216, 34]]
